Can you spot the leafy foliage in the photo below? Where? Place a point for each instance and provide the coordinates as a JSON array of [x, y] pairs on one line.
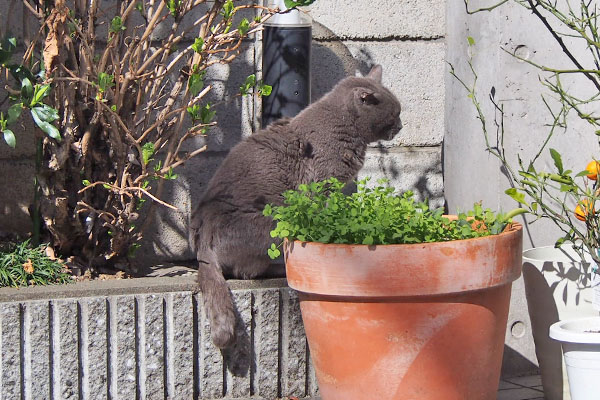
[[23, 265], [30, 96], [321, 212], [262, 88]]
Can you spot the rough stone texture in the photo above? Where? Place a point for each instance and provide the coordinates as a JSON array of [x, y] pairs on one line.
[[10, 346], [17, 179], [123, 346], [94, 346], [152, 359], [519, 354], [65, 345], [36, 349], [378, 19], [294, 347], [24, 134], [153, 346], [417, 169], [181, 339], [267, 311]]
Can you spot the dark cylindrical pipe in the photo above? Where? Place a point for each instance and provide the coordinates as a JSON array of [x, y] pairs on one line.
[[286, 64]]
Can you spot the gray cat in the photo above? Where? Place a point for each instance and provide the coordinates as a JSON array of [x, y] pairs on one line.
[[328, 139]]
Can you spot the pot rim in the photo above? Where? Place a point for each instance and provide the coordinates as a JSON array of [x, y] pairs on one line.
[[573, 330], [404, 270], [564, 254]]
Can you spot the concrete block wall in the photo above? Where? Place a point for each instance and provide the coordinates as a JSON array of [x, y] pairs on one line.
[[149, 340]]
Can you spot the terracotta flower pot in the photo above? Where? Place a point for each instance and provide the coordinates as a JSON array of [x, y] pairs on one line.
[[423, 322]]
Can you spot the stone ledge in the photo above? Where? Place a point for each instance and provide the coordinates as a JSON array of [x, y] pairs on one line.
[[121, 287], [150, 338]]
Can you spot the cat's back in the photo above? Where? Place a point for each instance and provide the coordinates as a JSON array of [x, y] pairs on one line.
[[261, 163]]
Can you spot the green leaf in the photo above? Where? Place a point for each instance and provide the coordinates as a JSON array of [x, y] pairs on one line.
[[198, 45], [26, 89], [147, 152], [248, 85], [206, 114], [85, 182], [116, 25], [243, 27], [264, 89], [9, 138], [193, 112], [268, 210], [40, 92], [516, 195], [170, 175], [227, 9], [106, 186], [14, 112], [7, 47], [45, 112], [173, 6], [273, 253], [557, 160], [196, 83], [471, 41], [105, 81], [43, 116]]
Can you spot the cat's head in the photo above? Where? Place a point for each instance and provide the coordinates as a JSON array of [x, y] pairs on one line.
[[375, 110]]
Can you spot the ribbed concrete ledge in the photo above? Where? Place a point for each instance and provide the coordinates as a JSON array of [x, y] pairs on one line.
[[149, 339]]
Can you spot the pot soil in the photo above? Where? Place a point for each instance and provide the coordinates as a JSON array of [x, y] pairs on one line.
[[422, 321]]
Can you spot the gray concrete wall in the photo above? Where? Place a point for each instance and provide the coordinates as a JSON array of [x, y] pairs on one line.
[[470, 173], [149, 339]]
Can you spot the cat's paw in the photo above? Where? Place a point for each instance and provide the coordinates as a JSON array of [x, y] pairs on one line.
[[222, 330]]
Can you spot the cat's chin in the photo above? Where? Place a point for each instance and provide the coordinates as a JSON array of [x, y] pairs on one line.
[[391, 135]]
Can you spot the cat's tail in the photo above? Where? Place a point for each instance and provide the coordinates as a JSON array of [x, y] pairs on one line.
[[217, 303], [216, 296]]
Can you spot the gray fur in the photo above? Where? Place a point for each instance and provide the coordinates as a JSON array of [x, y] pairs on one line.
[[328, 139]]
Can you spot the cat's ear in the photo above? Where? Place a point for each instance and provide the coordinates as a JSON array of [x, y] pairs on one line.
[[367, 97], [375, 73]]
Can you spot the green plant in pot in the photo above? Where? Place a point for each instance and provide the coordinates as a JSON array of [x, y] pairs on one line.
[[398, 300], [557, 182]]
